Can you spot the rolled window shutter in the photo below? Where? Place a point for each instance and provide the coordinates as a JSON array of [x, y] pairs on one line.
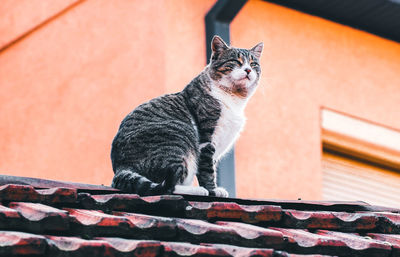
[[361, 160], [347, 179]]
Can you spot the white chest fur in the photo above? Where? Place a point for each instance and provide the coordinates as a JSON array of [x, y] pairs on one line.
[[230, 123]]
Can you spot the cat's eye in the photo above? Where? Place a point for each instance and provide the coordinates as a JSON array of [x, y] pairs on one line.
[[254, 64], [235, 61]]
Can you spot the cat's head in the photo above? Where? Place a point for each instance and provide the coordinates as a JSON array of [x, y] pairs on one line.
[[236, 71]]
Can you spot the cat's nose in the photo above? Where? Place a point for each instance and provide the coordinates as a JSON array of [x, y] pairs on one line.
[[247, 70]]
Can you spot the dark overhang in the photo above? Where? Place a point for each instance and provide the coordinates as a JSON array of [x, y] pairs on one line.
[[379, 17], [217, 22]]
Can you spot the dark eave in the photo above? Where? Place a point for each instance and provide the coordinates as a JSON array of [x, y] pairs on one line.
[[217, 22], [379, 17]]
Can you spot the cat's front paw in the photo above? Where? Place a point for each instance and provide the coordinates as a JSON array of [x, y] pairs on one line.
[[220, 192], [190, 190], [200, 191]]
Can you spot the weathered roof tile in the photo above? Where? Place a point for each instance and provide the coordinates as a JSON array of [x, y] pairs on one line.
[[26, 193], [259, 236], [342, 221], [59, 222], [392, 240], [360, 244], [167, 204], [39, 217], [8, 213], [20, 243], [233, 211], [334, 243], [74, 246], [388, 222]]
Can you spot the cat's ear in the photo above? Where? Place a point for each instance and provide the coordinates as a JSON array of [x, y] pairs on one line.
[[218, 45], [257, 50]]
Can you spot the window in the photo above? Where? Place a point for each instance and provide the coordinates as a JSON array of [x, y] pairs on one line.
[[360, 161]]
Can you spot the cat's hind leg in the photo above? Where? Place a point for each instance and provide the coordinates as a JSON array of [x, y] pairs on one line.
[[129, 181]]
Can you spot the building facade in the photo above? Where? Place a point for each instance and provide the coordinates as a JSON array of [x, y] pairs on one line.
[[71, 70]]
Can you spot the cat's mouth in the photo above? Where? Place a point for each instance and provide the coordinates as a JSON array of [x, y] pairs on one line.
[[245, 78]]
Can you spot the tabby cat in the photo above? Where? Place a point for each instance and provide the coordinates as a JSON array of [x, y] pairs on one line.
[[162, 144]]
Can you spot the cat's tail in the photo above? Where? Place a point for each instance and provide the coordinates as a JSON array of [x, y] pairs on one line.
[[132, 182]]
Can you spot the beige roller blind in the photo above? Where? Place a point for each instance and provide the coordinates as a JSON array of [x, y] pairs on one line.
[[346, 179], [361, 160]]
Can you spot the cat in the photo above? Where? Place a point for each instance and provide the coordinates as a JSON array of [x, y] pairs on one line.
[[162, 144]]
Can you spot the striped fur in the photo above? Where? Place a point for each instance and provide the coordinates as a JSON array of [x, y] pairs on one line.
[[164, 142]]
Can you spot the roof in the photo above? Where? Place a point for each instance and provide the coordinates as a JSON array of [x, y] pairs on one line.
[[100, 221], [379, 17]]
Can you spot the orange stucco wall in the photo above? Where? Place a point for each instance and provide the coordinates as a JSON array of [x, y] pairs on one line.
[[19, 18], [67, 85], [71, 70]]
